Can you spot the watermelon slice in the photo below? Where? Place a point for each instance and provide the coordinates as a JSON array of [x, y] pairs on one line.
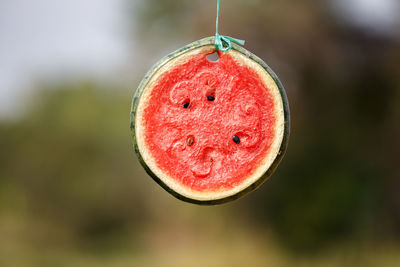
[[210, 131]]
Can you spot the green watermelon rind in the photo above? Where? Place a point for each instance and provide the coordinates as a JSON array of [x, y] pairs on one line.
[[135, 101]]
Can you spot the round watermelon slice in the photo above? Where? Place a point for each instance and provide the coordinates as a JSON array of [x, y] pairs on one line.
[[210, 131]]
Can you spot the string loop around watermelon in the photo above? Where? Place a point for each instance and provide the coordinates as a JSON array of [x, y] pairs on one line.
[[221, 39]]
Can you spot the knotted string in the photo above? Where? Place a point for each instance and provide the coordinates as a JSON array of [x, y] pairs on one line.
[[220, 39]]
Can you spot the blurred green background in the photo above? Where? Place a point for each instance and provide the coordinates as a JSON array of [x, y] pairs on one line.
[[72, 192]]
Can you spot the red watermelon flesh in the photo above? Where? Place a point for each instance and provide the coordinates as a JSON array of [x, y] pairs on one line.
[[192, 138]]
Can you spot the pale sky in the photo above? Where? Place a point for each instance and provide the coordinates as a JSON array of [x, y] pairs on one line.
[[377, 16], [43, 38]]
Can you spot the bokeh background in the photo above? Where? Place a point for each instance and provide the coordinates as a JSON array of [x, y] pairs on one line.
[[72, 192]]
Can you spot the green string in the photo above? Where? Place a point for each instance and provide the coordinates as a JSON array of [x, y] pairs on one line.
[[219, 39]]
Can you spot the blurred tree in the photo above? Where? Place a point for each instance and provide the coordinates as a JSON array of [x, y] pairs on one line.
[[70, 157]]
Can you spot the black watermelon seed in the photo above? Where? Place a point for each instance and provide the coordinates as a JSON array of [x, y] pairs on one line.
[[210, 98], [186, 105], [190, 140], [236, 139]]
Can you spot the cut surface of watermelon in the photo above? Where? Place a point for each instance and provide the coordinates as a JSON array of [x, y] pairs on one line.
[[208, 131]]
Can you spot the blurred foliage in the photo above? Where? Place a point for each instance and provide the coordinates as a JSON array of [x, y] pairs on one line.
[[73, 194], [68, 160]]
